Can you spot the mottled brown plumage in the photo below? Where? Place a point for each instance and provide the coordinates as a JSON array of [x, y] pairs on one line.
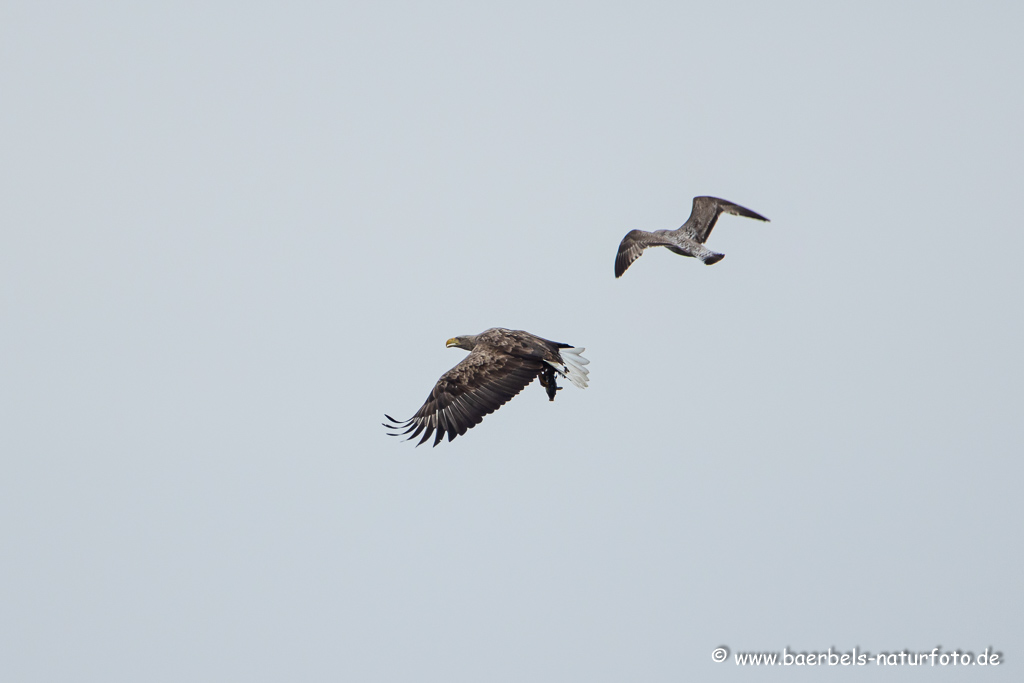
[[500, 364], [688, 240]]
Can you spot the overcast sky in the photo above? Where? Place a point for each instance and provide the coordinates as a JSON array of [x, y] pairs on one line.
[[234, 235]]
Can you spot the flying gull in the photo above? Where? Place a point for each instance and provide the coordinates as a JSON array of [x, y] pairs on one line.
[[688, 240]]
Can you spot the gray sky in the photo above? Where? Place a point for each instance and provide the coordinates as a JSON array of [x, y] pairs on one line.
[[234, 235]]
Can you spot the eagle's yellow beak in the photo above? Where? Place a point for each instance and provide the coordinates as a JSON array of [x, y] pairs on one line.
[[454, 341]]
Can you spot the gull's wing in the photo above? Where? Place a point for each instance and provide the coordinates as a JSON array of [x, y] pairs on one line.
[[483, 382], [634, 243], [705, 213]]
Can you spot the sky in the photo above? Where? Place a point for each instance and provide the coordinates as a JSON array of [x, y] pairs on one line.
[[234, 235]]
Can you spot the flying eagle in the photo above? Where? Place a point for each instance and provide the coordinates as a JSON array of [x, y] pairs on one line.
[[499, 365], [688, 240]]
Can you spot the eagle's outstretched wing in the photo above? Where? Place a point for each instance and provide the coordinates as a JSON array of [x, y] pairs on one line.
[[480, 384]]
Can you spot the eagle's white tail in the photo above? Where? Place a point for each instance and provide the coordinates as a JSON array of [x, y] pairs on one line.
[[575, 366]]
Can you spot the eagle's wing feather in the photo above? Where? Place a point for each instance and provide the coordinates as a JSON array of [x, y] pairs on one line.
[[483, 382]]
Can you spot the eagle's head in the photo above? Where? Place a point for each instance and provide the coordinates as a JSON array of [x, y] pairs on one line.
[[462, 342]]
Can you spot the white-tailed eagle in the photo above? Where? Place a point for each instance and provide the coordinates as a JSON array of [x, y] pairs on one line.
[[500, 364]]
